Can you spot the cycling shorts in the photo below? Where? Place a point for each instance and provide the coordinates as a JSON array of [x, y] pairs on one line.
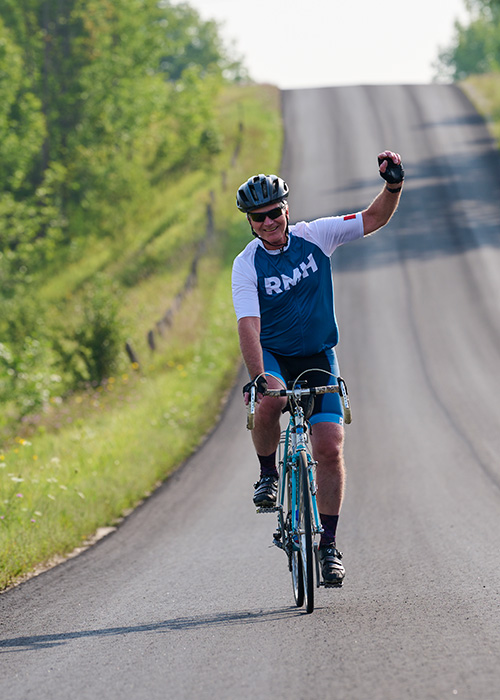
[[327, 407]]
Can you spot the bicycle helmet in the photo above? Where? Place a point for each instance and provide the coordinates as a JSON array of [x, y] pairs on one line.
[[260, 190]]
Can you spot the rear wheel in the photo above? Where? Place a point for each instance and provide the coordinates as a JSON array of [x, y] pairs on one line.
[[305, 534]]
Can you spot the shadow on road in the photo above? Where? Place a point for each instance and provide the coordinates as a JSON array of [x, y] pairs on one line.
[[221, 619]]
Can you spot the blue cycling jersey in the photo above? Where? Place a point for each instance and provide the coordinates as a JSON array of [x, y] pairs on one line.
[[292, 290]]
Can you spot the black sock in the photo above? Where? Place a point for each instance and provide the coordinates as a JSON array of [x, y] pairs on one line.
[[268, 465], [329, 523]]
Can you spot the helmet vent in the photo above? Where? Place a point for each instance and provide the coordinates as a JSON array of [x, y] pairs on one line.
[[253, 192], [243, 196]]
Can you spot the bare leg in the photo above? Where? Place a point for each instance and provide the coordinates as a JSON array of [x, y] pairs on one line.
[[266, 433], [328, 450]]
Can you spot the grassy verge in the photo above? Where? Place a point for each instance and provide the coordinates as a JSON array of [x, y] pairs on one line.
[[484, 93], [89, 458]]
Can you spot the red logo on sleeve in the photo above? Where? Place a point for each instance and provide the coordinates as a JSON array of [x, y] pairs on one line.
[[349, 217]]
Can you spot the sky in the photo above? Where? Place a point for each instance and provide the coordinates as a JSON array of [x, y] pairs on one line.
[[319, 43]]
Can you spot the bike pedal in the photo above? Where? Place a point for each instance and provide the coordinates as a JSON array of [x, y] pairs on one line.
[[332, 585], [272, 509]]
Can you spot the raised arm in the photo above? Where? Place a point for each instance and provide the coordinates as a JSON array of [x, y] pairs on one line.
[[386, 202]]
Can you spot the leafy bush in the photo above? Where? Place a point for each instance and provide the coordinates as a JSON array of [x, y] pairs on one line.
[[91, 344], [28, 371]]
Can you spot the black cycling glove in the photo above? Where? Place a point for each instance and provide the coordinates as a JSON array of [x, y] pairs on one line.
[[394, 173], [260, 383]]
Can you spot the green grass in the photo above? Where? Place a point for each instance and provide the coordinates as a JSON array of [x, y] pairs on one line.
[[484, 92], [116, 444], [88, 459]]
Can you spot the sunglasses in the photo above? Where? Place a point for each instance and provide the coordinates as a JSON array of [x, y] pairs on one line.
[[262, 215]]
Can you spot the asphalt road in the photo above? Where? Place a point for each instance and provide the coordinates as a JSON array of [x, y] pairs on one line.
[[188, 600]]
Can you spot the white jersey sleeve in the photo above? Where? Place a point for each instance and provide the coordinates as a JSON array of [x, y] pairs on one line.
[[329, 232], [244, 283]]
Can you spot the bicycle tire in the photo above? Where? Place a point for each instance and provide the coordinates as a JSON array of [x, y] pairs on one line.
[[306, 535], [295, 556]]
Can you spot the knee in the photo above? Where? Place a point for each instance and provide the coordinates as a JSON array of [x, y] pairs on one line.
[[330, 451]]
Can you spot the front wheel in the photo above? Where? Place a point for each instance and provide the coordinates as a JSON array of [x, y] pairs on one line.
[[295, 556], [297, 579], [305, 534]]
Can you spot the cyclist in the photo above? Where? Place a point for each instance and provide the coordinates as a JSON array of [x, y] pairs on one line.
[[284, 302]]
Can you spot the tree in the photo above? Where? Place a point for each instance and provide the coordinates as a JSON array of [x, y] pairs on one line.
[[191, 42], [22, 127], [99, 101], [122, 84], [476, 47], [27, 212]]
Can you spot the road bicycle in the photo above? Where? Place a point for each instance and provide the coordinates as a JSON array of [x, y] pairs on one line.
[[299, 525]]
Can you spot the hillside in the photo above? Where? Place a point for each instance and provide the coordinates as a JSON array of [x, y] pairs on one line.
[[86, 457]]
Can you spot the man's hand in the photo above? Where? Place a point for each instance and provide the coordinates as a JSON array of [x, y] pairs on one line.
[[390, 167], [260, 383]]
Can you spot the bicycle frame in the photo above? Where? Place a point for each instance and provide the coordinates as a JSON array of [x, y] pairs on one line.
[[295, 440]]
